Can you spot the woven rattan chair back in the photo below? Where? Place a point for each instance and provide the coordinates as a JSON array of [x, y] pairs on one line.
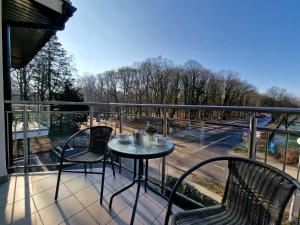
[[99, 137], [256, 194]]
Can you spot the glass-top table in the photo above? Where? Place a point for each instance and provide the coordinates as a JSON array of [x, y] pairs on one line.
[[147, 150]]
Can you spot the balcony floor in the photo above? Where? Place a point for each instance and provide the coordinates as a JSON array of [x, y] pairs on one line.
[[29, 199]]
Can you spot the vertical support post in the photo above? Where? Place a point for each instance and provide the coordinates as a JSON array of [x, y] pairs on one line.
[[7, 89], [120, 130], [252, 143], [285, 152], [163, 166], [91, 115], [120, 120], [9, 151], [267, 146], [39, 118], [294, 198], [25, 138]]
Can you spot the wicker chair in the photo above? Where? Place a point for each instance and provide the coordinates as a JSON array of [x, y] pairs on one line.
[[94, 152], [255, 194]]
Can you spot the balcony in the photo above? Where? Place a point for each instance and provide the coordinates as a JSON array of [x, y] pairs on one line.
[[29, 199], [29, 196]]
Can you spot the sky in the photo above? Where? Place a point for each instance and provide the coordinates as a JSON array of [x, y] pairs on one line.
[[259, 39]]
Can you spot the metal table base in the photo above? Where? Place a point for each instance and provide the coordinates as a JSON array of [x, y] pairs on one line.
[[137, 180]]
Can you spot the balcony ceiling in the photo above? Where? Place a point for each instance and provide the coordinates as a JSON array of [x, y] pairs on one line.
[[33, 23]]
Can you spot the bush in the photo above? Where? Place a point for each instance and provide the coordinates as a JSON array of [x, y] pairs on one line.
[[188, 191]]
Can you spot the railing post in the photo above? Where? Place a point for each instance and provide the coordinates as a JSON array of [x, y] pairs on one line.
[[267, 146], [39, 118], [285, 151], [252, 142], [9, 151], [163, 167], [120, 130], [91, 115], [294, 198], [120, 120], [25, 138]]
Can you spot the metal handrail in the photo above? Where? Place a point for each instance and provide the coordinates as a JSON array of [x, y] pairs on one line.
[[252, 110], [285, 110]]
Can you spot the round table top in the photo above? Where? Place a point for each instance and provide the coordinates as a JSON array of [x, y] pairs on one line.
[[147, 150]]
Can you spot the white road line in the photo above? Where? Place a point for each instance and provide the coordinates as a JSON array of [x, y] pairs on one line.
[[215, 142], [220, 167]]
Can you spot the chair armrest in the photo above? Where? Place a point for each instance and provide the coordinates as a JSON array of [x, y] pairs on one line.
[[66, 145], [296, 183], [188, 172]]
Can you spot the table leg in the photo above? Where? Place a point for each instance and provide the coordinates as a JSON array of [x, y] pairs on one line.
[[146, 176], [120, 191], [125, 188], [134, 169], [140, 174]]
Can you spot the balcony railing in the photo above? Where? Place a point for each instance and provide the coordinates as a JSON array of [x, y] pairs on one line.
[[250, 131]]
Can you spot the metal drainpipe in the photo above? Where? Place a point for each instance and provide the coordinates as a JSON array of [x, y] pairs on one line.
[[252, 143]]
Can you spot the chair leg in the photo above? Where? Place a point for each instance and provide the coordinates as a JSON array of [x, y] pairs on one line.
[[58, 181], [112, 166], [102, 182], [84, 168]]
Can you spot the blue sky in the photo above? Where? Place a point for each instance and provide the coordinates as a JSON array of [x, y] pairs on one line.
[[259, 39]]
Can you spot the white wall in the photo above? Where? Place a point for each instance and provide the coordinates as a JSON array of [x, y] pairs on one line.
[[3, 171]]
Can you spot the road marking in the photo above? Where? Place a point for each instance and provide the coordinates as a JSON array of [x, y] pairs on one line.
[[215, 142], [220, 167]]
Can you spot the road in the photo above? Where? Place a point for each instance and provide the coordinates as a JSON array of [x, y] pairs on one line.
[[198, 144], [201, 143]]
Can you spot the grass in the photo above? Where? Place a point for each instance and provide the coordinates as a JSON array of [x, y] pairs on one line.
[[208, 184]]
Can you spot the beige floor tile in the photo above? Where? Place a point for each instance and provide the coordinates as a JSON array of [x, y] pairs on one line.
[[160, 202], [162, 216], [114, 183], [46, 198], [33, 219], [106, 191], [14, 195], [160, 220], [60, 211], [65, 177], [147, 210], [79, 183], [98, 177], [80, 207], [13, 183], [102, 214], [17, 211], [124, 219], [38, 176], [81, 218], [88, 195], [42, 185]]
